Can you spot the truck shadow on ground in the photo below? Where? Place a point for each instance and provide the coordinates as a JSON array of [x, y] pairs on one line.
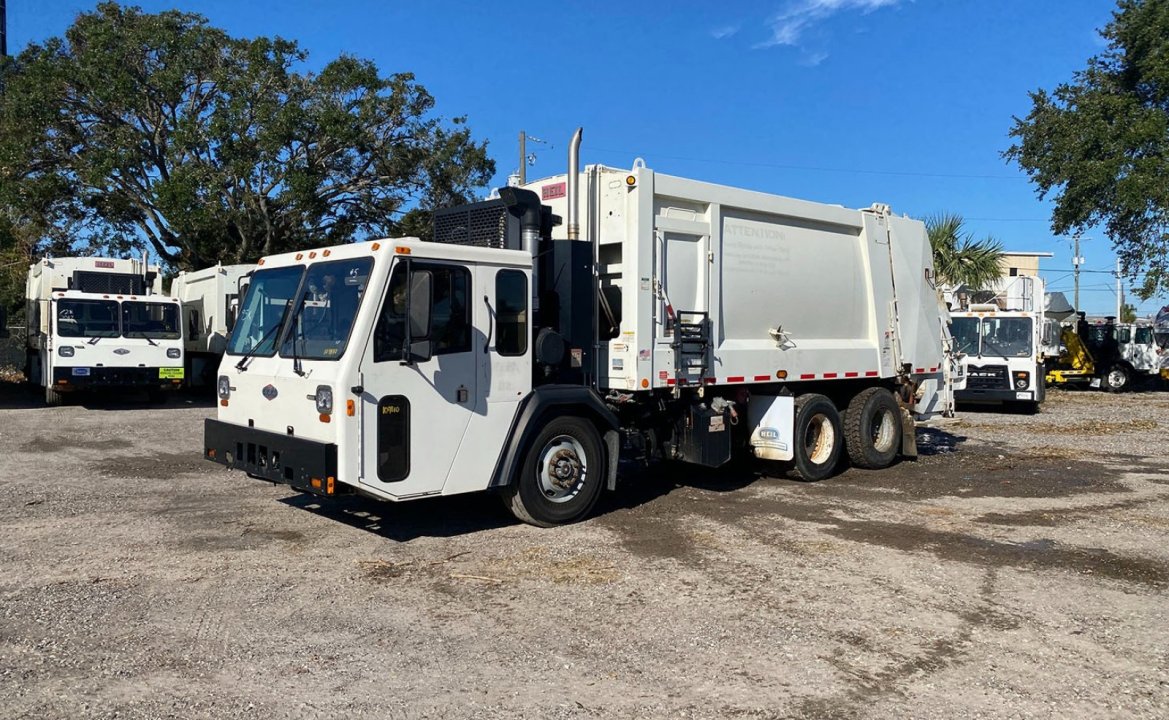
[[403, 522], [638, 489]]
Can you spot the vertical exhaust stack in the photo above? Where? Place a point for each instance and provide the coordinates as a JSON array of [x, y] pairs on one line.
[[574, 186]]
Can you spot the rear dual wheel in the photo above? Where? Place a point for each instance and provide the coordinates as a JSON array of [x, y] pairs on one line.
[[818, 437], [872, 428]]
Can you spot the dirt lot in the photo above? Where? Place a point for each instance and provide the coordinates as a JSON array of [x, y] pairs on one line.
[[1019, 569]]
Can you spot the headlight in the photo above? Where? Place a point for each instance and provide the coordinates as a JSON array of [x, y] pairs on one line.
[[1022, 380], [324, 399], [224, 387], [173, 353], [65, 351]]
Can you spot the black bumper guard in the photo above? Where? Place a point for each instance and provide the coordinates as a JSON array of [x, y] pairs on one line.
[[306, 465]]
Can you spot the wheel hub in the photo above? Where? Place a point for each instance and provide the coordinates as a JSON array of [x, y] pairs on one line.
[[562, 471]]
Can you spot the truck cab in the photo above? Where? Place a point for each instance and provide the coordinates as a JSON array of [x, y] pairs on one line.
[[1001, 344], [80, 338], [1000, 357], [376, 333]]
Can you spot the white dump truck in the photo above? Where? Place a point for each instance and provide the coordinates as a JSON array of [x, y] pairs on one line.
[[101, 323], [1000, 344], [210, 303], [667, 319]]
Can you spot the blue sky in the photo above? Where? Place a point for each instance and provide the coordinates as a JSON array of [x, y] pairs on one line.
[[906, 102]]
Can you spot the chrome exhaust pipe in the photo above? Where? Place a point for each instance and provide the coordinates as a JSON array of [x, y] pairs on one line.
[[573, 189]]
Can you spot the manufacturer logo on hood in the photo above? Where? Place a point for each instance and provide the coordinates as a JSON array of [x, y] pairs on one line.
[[270, 392], [121, 351]]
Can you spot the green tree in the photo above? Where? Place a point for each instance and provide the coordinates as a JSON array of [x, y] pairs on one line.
[[960, 258], [214, 148], [1100, 143], [1128, 313]]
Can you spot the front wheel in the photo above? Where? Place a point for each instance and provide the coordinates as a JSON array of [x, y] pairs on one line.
[[1117, 378], [818, 437], [561, 476]]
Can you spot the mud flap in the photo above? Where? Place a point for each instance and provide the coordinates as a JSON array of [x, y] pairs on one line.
[[908, 435]]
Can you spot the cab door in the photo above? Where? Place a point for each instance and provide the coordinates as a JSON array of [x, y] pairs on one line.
[[414, 413]]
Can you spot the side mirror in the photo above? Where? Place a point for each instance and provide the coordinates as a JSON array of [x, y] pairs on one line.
[[421, 300], [421, 303]]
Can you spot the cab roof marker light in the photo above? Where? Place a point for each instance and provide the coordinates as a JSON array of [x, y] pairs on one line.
[[377, 246], [402, 250]]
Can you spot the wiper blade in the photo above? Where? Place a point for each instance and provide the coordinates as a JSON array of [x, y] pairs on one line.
[[242, 364]]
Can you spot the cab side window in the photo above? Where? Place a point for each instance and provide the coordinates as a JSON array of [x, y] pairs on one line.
[[450, 318], [511, 300], [450, 324]]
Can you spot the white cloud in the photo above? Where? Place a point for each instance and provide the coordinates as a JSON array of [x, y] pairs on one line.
[[789, 24], [813, 59], [725, 31]]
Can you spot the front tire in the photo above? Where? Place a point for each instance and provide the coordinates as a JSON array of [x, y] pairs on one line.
[[818, 437], [1117, 379], [561, 476], [53, 397], [872, 429]]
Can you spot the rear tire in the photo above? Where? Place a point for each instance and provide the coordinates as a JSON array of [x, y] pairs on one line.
[[561, 476], [818, 437], [1117, 379], [872, 429]]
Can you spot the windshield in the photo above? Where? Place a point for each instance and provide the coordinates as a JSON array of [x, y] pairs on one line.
[[1006, 337], [150, 320], [263, 311], [87, 318], [328, 304], [964, 330]]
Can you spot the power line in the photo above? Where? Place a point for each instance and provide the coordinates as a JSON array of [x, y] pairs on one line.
[[786, 166]]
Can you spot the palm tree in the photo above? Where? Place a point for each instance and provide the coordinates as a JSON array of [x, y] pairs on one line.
[[960, 259]]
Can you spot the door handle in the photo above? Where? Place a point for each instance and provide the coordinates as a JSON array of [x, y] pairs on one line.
[[462, 395]]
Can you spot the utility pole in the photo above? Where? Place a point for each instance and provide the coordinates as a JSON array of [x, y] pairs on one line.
[[1076, 262], [523, 153], [1119, 293], [3, 28]]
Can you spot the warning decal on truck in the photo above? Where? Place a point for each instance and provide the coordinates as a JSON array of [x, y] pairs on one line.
[[173, 373]]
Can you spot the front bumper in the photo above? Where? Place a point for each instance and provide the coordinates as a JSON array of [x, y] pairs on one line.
[[307, 465], [80, 378], [995, 395]]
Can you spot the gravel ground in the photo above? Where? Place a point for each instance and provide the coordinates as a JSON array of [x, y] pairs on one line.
[[1018, 569]]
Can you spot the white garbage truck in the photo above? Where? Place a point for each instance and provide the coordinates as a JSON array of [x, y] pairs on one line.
[[666, 319], [210, 303], [101, 323], [1000, 344]]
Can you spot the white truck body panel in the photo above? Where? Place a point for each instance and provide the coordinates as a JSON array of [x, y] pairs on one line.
[[207, 297], [818, 292]]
